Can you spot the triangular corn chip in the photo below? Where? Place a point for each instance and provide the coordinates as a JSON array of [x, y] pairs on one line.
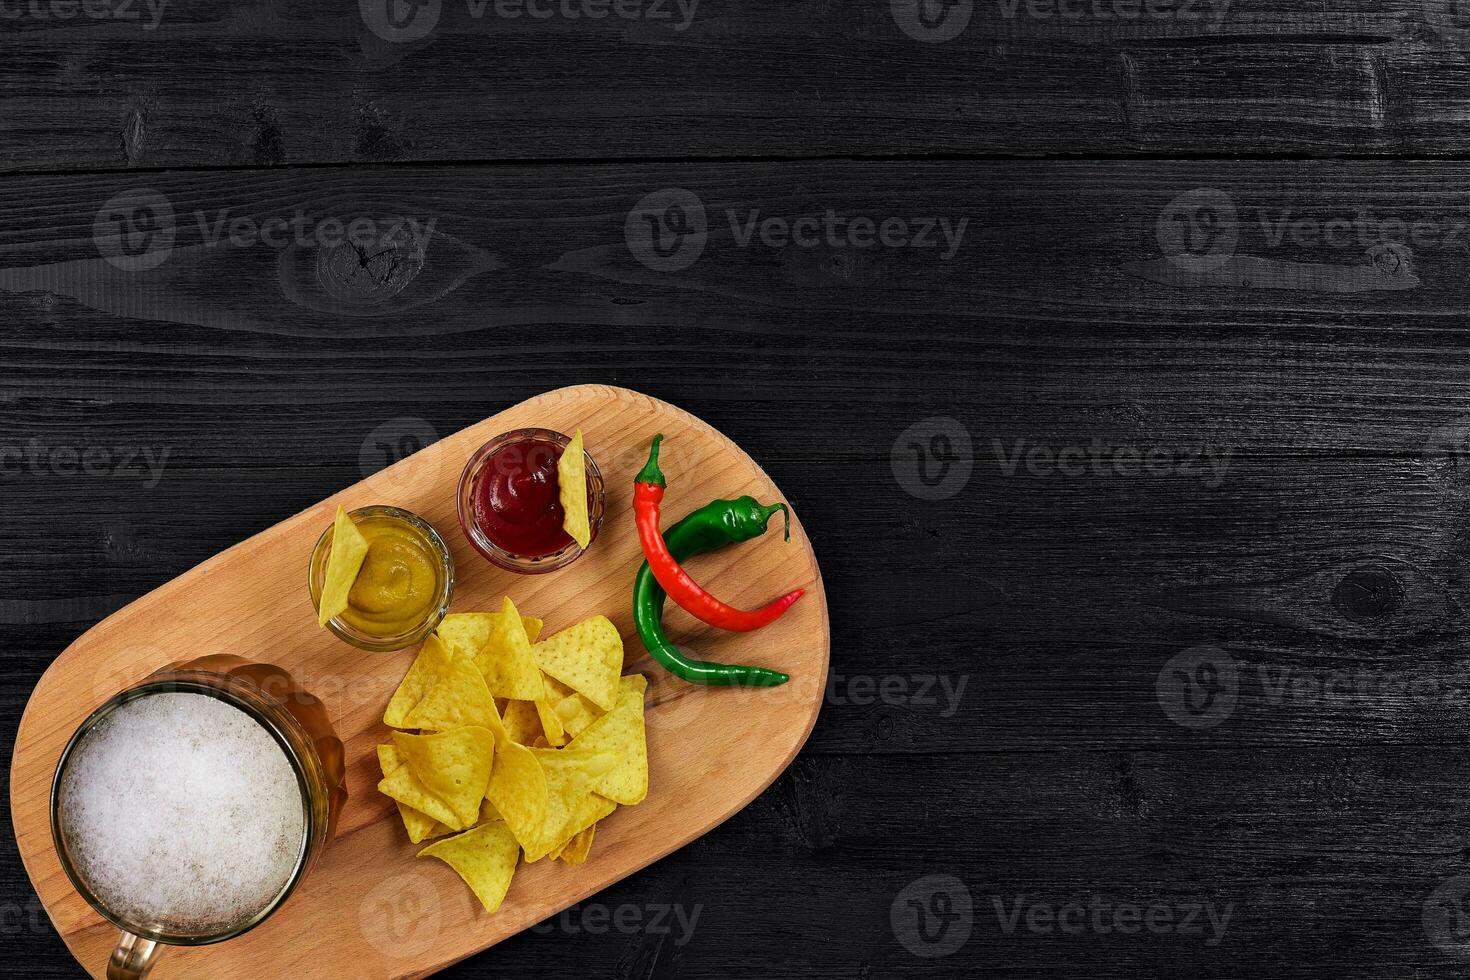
[[467, 633], [551, 726], [587, 657], [344, 561], [571, 478], [484, 857], [432, 661], [522, 724], [569, 807], [573, 710], [506, 660], [458, 698], [420, 826], [518, 790], [576, 849], [402, 785], [453, 765], [621, 733]]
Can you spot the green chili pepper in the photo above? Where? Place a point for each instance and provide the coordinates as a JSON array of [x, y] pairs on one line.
[[718, 523]]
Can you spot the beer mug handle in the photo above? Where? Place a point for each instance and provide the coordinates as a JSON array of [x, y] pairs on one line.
[[133, 958]]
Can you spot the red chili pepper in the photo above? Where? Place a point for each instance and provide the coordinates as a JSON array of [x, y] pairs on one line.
[[648, 494]]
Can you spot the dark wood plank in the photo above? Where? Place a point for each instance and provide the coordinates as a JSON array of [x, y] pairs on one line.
[[261, 84]]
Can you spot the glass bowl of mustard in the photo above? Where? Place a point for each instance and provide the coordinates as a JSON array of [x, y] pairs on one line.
[[404, 586]]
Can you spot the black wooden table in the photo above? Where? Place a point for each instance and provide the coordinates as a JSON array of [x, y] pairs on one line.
[[1114, 354]]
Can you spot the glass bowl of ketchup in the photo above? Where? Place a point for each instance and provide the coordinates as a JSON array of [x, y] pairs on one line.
[[509, 501]]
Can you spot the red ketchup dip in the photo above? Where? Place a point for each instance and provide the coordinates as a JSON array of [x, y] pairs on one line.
[[515, 499]]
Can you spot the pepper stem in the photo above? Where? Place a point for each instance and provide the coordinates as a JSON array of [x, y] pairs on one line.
[[771, 509], [650, 473]]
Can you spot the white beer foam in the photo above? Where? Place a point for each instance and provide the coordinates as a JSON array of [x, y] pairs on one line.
[[182, 812]]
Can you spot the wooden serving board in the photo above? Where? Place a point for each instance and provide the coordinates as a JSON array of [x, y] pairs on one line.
[[370, 909]]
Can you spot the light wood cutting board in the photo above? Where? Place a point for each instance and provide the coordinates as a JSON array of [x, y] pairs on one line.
[[370, 909]]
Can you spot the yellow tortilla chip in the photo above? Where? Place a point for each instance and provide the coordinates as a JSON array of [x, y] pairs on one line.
[[518, 790], [457, 698], [570, 806], [344, 561], [571, 479], [432, 661], [587, 657], [573, 710], [522, 723], [467, 633], [621, 733], [453, 765], [576, 849], [506, 660], [484, 857], [420, 826], [402, 785], [551, 725]]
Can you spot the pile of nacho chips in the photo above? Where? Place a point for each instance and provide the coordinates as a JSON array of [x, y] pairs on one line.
[[523, 746]]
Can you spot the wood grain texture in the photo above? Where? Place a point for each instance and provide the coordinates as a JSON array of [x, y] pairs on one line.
[[242, 83], [1328, 807], [248, 601]]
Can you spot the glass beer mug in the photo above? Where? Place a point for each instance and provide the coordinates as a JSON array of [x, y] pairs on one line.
[[188, 808]]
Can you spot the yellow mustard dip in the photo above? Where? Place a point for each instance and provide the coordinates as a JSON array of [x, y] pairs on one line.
[[400, 578]]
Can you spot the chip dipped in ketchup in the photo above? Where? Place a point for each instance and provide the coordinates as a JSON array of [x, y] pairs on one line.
[[509, 506]]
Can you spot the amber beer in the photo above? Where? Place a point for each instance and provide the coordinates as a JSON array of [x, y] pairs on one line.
[[188, 808]]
